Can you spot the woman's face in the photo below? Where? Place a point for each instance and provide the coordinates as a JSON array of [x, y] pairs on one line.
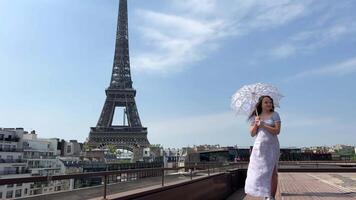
[[266, 104]]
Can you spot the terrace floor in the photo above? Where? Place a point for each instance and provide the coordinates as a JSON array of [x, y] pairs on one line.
[[304, 186]]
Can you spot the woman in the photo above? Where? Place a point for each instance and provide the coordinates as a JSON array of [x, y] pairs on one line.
[[262, 178]]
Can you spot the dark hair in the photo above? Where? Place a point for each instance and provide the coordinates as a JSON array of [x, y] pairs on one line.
[[258, 107]]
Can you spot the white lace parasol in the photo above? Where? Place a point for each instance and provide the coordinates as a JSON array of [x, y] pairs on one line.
[[245, 99]]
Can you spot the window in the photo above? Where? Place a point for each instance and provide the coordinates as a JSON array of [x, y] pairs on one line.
[[18, 193], [69, 148], [1, 136], [19, 184], [9, 194], [10, 186], [6, 146], [9, 138], [26, 144]]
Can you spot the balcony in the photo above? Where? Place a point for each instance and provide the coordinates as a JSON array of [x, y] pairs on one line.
[[27, 148], [11, 172], [11, 139], [12, 161], [10, 150], [38, 157]]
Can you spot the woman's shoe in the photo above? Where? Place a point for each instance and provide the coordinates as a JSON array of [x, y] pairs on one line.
[[270, 198]]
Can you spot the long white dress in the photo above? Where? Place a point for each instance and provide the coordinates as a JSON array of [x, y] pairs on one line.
[[264, 157]]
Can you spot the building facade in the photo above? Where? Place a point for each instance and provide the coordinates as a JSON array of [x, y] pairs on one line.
[[12, 164]]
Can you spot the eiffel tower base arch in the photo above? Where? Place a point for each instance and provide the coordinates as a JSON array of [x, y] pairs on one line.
[[124, 138]]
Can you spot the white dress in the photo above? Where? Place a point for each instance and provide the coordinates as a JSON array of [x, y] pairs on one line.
[[264, 157]]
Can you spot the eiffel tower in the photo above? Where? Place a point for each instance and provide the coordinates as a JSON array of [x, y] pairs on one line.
[[120, 93]]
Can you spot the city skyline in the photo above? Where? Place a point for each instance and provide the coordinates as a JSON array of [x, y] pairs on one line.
[[187, 60]]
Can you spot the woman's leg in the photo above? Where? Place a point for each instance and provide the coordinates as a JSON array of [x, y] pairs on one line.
[[274, 182]]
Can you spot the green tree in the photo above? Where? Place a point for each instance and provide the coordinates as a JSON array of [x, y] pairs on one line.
[[112, 148], [155, 145], [86, 147]]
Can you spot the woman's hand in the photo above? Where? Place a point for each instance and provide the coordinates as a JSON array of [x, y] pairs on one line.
[[257, 121], [254, 127], [272, 129]]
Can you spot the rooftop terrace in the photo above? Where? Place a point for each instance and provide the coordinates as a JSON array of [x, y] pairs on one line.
[[297, 180]]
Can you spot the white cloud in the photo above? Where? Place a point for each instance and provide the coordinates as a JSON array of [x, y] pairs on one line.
[[174, 41], [310, 40], [283, 51], [343, 68], [278, 14], [197, 6], [195, 28]]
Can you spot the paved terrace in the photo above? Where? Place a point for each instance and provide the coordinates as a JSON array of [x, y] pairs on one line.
[[311, 186]]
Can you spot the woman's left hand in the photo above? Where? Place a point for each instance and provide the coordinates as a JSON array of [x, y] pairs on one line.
[[262, 124]]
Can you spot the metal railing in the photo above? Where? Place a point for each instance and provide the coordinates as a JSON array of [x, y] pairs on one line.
[[38, 157], [191, 169], [129, 174]]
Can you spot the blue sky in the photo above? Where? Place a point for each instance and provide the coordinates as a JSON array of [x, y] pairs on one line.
[[187, 58]]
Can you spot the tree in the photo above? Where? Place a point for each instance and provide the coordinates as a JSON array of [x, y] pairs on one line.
[[155, 145], [86, 147], [112, 148]]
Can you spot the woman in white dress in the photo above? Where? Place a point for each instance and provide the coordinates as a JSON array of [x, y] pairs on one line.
[[262, 177]]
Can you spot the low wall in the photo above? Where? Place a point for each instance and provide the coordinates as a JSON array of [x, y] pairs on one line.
[[214, 187]]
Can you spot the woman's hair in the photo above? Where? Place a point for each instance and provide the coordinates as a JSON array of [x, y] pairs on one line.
[[258, 107]]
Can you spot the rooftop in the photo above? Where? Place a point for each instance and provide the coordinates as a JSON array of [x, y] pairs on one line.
[[304, 186]]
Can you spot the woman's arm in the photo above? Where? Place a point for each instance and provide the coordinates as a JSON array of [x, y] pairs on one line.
[[273, 130], [253, 130], [254, 127]]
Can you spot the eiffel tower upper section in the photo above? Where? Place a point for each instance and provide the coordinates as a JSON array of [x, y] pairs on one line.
[[121, 75]]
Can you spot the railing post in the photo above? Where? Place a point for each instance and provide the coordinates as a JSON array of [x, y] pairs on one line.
[[162, 176], [105, 180], [191, 173]]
